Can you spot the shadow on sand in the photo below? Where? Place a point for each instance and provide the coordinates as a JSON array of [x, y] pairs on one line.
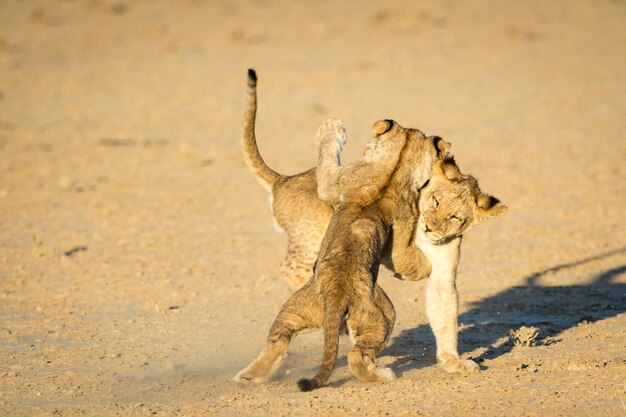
[[487, 324]]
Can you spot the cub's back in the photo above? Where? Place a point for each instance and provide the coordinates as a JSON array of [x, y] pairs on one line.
[[353, 243], [297, 208]]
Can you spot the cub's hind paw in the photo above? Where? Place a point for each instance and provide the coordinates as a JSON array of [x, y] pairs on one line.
[[331, 129], [386, 374], [457, 365], [377, 374]]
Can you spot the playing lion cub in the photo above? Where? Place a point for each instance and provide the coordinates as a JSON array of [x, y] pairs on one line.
[[344, 283], [304, 217]]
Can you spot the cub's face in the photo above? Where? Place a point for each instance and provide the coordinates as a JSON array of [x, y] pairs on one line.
[[451, 203], [445, 211]]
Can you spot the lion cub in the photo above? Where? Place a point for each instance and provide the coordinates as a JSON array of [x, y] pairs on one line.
[[304, 217], [344, 283]]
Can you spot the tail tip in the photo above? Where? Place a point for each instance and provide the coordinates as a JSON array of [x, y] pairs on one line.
[[306, 385], [252, 76]]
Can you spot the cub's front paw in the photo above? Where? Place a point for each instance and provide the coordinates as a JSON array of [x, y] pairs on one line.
[[331, 129], [454, 364]]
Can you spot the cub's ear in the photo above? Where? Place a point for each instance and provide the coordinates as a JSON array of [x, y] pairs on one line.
[[438, 169], [451, 169], [381, 127], [446, 169], [443, 147], [488, 207]]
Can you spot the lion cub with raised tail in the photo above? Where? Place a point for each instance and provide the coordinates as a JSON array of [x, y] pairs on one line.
[[304, 217], [344, 283]]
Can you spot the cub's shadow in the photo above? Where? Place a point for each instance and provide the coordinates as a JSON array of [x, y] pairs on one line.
[[488, 323]]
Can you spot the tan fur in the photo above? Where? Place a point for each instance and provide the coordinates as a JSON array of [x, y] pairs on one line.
[[265, 174], [304, 217], [449, 205]]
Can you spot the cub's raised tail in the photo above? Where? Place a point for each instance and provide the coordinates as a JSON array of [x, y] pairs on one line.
[[265, 174]]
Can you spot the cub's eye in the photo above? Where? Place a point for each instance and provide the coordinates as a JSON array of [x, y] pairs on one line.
[[435, 201], [454, 218]]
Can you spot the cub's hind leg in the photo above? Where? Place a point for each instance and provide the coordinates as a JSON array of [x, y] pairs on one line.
[[370, 329], [302, 311], [302, 249], [304, 218]]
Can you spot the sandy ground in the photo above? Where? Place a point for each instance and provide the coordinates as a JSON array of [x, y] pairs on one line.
[[138, 265]]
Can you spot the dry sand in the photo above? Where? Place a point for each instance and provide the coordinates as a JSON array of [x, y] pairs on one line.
[[138, 265]]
